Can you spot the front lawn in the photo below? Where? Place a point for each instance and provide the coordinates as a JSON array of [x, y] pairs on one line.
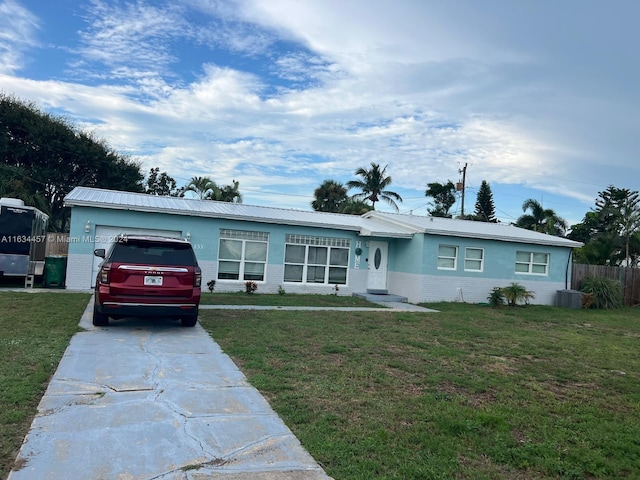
[[470, 392], [35, 329]]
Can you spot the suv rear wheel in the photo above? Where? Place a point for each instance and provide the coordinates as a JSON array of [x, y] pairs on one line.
[[190, 321], [100, 319]]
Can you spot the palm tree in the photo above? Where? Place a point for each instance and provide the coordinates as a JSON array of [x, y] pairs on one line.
[[329, 197], [373, 185], [541, 219], [355, 207], [203, 187], [228, 193]]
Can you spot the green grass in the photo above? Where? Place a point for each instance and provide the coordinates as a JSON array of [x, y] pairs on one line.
[[35, 329], [468, 393], [288, 300]]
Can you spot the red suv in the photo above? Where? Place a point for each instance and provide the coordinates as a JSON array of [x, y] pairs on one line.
[[145, 276]]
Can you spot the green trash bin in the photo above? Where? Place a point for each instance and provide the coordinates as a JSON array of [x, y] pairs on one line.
[[55, 270]]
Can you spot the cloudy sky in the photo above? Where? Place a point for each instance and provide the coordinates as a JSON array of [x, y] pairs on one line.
[[539, 98]]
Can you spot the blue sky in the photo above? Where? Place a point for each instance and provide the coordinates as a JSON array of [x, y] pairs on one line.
[[540, 99]]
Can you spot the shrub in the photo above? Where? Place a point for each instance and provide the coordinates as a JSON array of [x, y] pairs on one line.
[[604, 293], [516, 293], [496, 298], [250, 287], [281, 290], [336, 289], [211, 284]]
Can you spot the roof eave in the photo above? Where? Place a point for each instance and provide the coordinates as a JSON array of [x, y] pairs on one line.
[[371, 233], [226, 216], [543, 241]]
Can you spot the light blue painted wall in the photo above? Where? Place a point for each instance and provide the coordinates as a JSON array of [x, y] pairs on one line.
[[407, 255], [417, 255], [499, 259], [204, 232]]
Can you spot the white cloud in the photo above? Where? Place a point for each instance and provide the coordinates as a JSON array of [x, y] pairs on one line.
[[282, 94], [133, 40], [18, 28]]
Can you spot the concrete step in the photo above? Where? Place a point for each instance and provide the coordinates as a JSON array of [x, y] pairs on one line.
[[377, 291], [384, 297]]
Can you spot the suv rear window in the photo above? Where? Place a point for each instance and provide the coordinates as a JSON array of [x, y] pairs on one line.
[[150, 254]]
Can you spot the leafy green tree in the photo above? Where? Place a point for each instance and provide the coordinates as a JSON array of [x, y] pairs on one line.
[[541, 219], [611, 231], [485, 208], [160, 184], [590, 227], [47, 157], [620, 209], [14, 184], [444, 197], [373, 184], [603, 249], [329, 197]]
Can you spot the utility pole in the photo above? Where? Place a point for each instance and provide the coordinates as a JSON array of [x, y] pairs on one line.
[[463, 171]]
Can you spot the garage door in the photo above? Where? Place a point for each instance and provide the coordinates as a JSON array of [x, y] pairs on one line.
[[105, 235]]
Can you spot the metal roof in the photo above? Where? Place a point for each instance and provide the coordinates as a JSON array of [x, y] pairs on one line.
[[95, 197], [371, 224], [473, 229]]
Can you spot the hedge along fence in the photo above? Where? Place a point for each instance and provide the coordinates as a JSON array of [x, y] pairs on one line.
[[629, 279]]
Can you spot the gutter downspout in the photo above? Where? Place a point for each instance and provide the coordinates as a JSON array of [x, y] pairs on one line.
[[566, 273]]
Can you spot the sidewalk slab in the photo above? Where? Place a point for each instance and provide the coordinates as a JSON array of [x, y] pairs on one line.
[[153, 400]]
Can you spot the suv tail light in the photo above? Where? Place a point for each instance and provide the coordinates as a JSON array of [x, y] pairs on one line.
[[105, 274], [197, 278]]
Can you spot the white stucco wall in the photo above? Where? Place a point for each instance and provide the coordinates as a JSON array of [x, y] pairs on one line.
[[79, 271], [431, 288]]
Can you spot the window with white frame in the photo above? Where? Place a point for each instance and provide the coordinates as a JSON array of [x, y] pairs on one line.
[[242, 255], [316, 259], [474, 259], [532, 263], [447, 257]]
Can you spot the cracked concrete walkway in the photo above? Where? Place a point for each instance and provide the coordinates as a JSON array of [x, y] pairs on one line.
[[152, 400]]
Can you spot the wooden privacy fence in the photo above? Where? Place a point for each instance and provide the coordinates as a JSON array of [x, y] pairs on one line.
[[629, 279], [57, 244]]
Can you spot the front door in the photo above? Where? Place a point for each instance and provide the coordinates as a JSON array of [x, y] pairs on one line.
[[377, 276]]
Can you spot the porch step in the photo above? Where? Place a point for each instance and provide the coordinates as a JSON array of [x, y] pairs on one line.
[[374, 291], [381, 297]]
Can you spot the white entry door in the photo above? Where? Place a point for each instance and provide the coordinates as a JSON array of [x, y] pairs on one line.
[[105, 236], [377, 276]]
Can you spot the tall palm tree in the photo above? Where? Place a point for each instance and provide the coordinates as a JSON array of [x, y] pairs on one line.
[[373, 185], [203, 187], [541, 219], [329, 197]]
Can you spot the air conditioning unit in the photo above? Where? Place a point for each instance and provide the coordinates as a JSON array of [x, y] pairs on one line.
[[569, 299]]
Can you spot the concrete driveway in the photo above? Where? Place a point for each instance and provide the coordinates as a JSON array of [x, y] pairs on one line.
[[153, 400]]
